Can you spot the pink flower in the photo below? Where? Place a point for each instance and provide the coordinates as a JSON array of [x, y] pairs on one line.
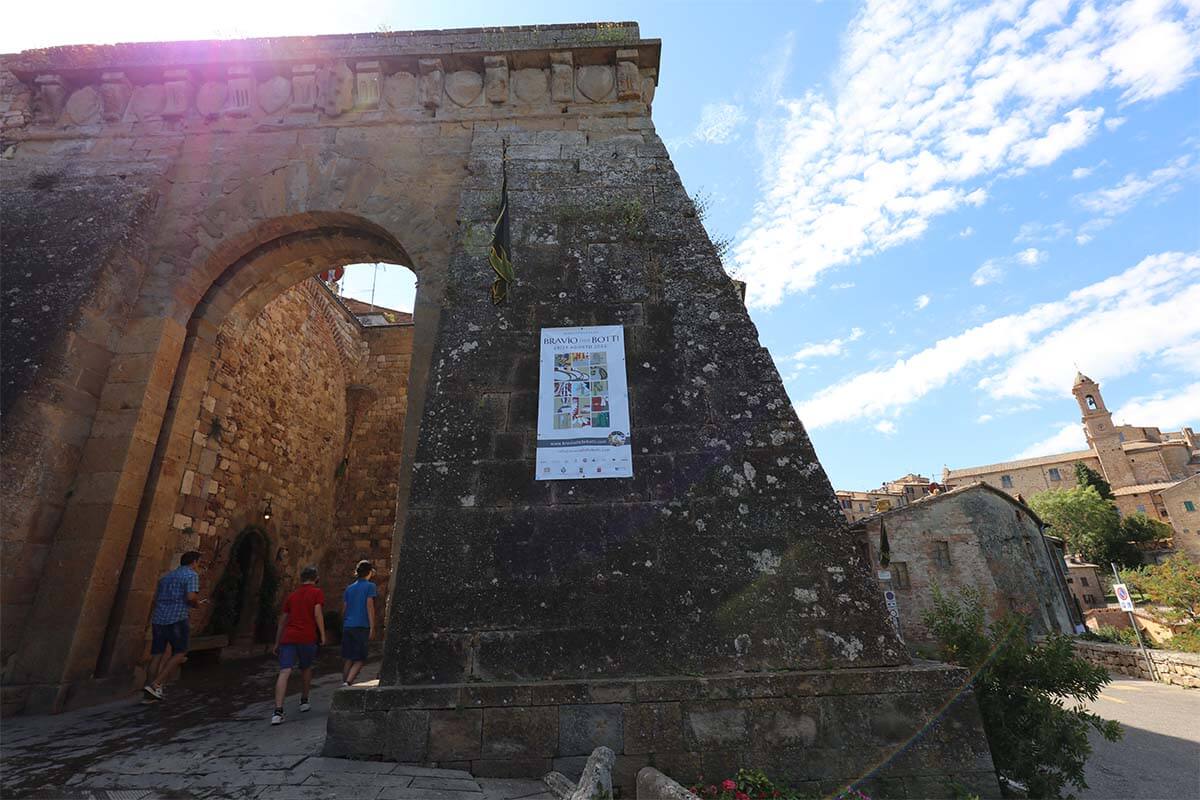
[[728, 785], [741, 796]]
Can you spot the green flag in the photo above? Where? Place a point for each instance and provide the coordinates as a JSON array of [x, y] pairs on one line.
[[500, 256]]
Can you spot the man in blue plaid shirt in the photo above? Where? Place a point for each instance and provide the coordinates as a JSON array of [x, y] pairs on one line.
[[178, 593]]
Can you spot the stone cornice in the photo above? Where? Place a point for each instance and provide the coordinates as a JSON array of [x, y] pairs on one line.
[[461, 73]]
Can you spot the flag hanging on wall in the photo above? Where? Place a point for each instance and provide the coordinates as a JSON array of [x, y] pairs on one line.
[[500, 256]]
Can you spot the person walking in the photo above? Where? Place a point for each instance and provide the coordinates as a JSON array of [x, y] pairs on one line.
[[301, 627], [178, 593], [358, 622]]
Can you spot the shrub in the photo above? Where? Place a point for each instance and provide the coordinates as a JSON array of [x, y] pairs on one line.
[[1113, 635], [753, 784], [1023, 690]]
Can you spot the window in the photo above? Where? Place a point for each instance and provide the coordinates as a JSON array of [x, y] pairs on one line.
[[941, 553], [847, 504], [1083, 581], [862, 507], [1006, 481], [899, 574], [1089, 599], [1120, 436], [1188, 505], [1054, 476], [1070, 580], [1141, 508], [1091, 402]]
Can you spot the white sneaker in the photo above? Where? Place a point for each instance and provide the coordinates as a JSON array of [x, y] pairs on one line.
[[153, 691], [277, 718], [304, 705]]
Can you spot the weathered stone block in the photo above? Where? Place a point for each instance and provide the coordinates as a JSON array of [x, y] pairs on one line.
[[520, 732], [583, 728], [715, 725], [455, 735], [407, 735]]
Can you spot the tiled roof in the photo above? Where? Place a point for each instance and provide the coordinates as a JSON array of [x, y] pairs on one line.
[[1060, 458], [1139, 488]]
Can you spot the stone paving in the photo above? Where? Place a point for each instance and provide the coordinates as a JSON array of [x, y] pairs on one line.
[[211, 738]]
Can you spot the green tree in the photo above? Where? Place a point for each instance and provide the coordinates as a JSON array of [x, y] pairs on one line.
[[1089, 523], [1086, 476], [1140, 528], [1030, 694], [1174, 585]]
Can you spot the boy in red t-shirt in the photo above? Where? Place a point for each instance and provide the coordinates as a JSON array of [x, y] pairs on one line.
[[296, 639]]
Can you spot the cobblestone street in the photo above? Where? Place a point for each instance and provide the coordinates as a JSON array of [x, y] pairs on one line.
[[211, 738]]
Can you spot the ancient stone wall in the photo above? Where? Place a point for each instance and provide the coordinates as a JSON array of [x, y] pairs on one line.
[[369, 480], [1180, 669]]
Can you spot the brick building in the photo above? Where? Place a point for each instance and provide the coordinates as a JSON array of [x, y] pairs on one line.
[[895, 494], [1144, 466], [972, 537]]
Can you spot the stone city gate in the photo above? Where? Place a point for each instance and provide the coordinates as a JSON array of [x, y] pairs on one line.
[[707, 613]]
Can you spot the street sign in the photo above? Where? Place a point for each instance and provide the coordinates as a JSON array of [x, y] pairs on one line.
[[889, 599], [1123, 597]]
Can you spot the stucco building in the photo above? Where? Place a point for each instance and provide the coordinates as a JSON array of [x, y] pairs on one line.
[[891, 495], [972, 537], [1144, 466]]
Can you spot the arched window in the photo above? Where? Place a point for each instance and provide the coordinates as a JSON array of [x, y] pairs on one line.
[[1091, 402]]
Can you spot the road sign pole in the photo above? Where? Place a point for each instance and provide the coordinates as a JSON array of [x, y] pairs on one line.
[[1136, 632]]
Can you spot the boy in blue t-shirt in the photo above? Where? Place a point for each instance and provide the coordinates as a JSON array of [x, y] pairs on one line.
[[358, 622]]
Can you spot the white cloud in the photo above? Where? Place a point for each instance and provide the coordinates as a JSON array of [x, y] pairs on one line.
[[1112, 123], [886, 427], [1133, 189], [1083, 238], [966, 232], [1067, 438], [719, 124], [994, 269], [982, 418], [1031, 256], [833, 347], [931, 102], [1079, 173], [1163, 410], [1114, 326], [837, 287], [921, 301], [1042, 232]]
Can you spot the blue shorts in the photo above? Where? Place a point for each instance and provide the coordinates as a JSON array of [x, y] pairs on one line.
[[354, 643], [293, 655], [174, 634]]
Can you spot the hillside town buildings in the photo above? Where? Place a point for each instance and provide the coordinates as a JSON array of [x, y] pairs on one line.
[[1150, 471], [888, 497]]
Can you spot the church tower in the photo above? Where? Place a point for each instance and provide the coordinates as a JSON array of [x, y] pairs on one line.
[[1101, 434]]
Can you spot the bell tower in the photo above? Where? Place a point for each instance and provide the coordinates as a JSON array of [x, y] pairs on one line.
[[1101, 434]]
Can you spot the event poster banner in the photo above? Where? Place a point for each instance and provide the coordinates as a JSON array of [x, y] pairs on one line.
[[583, 405]]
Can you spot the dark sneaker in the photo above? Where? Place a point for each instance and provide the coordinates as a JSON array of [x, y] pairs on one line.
[[277, 717]]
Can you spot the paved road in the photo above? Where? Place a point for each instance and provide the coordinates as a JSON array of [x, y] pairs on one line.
[[212, 739], [1159, 756]]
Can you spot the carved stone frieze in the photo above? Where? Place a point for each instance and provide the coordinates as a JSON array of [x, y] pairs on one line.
[[304, 87], [178, 90], [400, 90], [649, 82], [115, 93], [240, 102], [531, 85], [464, 87], [367, 88], [595, 82], [433, 79], [335, 89], [273, 94], [84, 106], [495, 72], [49, 98], [562, 77], [629, 81], [148, 101], [210, 98]]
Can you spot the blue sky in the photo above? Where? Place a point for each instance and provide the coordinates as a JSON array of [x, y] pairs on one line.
[[941, 209]]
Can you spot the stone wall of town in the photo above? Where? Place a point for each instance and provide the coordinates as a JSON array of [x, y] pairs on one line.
[[1180, 669], [367, 489]]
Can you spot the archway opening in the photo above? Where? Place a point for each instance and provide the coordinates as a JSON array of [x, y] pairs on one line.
[[288, 394]]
